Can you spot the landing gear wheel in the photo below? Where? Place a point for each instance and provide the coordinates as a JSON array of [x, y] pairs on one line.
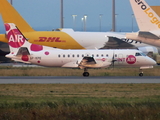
[[140, 74], [86, 74]]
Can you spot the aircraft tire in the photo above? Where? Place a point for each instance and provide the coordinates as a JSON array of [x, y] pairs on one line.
[[140, 74], [86, 74]]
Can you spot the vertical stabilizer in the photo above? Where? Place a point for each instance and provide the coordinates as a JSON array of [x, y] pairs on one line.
[[146, 18], [15, 38], [10, 15]]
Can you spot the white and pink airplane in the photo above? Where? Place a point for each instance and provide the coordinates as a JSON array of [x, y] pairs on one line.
[[23, 51]]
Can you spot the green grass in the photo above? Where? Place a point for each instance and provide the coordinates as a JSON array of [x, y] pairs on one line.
[[40, 71], [74, 110], [80, 101], [79, 92]]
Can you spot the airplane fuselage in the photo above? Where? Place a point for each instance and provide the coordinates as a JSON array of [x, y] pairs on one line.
[[72, 58], [23, 51]]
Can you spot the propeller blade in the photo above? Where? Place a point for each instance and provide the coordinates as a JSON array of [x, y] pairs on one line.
[[113, 60]]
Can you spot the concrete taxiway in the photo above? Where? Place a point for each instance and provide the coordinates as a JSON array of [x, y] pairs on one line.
[[76, 80]]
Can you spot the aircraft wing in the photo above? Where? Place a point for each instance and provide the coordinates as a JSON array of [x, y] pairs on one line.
[[143, 36], [116, 43]]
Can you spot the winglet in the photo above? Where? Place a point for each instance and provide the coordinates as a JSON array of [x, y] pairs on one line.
[[146, 18]]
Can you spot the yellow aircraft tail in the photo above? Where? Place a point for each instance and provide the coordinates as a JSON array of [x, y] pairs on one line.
[[10, 15]]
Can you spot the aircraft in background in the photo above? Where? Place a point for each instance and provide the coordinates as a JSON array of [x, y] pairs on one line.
[[67, 38], [23, 51], [148, 22]]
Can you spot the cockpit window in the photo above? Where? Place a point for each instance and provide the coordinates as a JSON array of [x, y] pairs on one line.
[[143, 54], [138, 54]]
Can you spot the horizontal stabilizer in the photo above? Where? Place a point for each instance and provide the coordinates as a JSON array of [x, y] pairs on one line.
[[147, 35], [21, 61]]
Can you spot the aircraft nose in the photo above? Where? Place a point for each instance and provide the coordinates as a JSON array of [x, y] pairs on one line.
[[152, 62]]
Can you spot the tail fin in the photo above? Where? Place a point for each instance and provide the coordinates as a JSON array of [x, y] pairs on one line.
[[18, 44], [16, 39], [10, 15], [146, 18]]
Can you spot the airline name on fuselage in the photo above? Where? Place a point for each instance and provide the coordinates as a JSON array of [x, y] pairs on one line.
[[154, 20], [49, 39]]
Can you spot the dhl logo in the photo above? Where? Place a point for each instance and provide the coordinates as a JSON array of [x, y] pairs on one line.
[[49, 39], [154, 20]]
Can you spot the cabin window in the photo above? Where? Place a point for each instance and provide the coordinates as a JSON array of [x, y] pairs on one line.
[[59, 55], [63, 55], [72, 55], [115, 55], [102, 55], [77, 55], [68, 55], [106, 55], [97, 55], [82, 55], [92, 55]]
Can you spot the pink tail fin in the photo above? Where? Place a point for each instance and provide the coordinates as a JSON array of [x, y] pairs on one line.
[[17, 40], [15, 37]]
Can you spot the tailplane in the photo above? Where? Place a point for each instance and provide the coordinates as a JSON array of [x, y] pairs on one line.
[[146, 18], [10, 15]]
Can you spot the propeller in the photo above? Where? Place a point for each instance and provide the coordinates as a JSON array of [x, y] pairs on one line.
[[113, 60]]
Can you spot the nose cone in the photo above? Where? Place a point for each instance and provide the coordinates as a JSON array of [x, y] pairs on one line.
[[151, 61]]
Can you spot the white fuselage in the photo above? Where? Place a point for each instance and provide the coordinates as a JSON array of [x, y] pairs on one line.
[[72, 58], [92, 40]]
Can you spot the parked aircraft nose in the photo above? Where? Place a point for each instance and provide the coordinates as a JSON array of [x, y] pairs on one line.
[[151, 61]]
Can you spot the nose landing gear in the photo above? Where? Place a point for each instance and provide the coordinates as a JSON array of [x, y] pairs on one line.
[[141, 73]]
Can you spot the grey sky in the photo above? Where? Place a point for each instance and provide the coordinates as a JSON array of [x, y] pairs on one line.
[[45, 14]]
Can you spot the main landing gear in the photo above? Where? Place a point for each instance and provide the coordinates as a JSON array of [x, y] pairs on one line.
[[141, 73], [86, 73]]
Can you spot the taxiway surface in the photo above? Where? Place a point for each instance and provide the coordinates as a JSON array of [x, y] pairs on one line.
[[76, 80]]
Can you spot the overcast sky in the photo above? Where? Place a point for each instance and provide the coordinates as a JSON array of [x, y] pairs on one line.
[[45, 14]]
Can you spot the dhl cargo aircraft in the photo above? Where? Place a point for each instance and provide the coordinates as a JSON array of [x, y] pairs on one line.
[[67, 38], [22, 50]]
